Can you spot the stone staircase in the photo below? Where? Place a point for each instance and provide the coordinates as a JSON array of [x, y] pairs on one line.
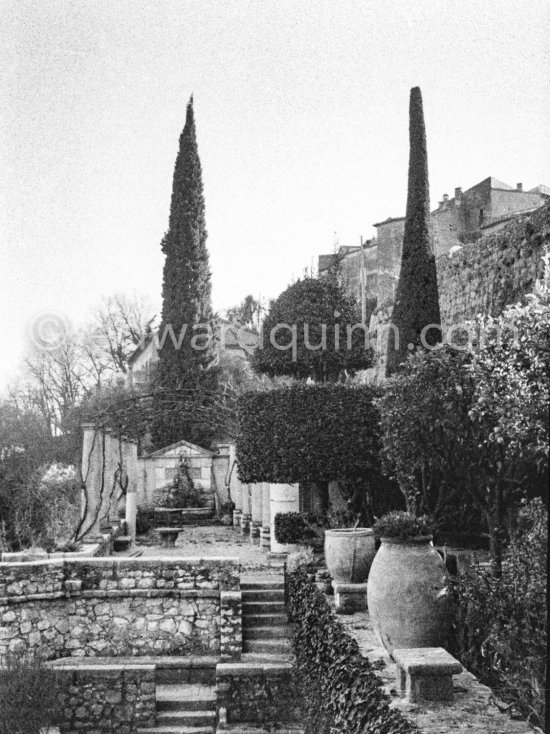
[[265, 626], [184, 708], [186, 698]]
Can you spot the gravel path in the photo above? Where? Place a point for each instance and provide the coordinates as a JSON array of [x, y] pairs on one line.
[[210, 541]]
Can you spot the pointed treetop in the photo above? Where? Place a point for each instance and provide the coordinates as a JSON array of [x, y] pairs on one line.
[[416, 299]]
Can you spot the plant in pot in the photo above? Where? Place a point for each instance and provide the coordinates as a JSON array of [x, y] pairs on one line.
[[408, 589], [349, 550]]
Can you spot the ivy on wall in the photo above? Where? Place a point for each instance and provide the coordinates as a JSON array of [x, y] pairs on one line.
[[341, 691]]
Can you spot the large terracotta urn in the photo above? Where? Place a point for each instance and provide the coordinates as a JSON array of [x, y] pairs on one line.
[[349, 554], [409, 595]]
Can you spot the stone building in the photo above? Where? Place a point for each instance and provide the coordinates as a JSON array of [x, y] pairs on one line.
[[234, 340], [482, 209]]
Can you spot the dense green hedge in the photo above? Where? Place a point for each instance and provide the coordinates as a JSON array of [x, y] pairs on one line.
[[308, 433], [294, 527], [340, 688]]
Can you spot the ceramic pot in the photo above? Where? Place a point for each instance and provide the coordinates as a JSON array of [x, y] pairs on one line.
[[409, 594], [349, 554]]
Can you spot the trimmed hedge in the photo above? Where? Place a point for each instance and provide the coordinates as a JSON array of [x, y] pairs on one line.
[[293, 527], [340, 689], [308, 433]]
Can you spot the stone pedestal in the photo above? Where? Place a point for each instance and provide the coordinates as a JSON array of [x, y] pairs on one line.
[[168, 536], [237, 518], [245, 524], [255, 529], [349, 598], [283, 498]]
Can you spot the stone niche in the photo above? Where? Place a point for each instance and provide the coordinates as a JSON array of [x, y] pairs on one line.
[[158, 470], [122, 607]]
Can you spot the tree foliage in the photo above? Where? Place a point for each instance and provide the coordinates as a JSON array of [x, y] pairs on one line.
[[322, 316], [313, 433], [185, 361], [247, 313], [502, 623], [458, 421], [416, 300]]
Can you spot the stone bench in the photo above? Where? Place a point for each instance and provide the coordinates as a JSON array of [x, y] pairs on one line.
[[168, 536], [122, 542], [426, 673]]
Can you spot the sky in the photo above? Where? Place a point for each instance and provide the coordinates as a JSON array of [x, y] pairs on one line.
[[301, 110]]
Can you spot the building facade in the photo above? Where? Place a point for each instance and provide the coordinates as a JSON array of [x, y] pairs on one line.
[[370, 273]]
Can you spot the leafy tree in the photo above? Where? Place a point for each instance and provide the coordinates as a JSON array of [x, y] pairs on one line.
[[312, 330], [456, 421], [187, 352], [246, 313], [416, 301]]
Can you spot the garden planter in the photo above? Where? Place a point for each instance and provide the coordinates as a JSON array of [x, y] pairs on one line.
[[408, 594], [349, 554]]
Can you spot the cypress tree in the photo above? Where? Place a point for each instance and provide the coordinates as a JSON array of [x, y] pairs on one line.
[[417, 301], [183, 379]]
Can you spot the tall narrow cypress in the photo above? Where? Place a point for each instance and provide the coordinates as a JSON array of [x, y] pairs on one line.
[[183, 380], [417, 301]]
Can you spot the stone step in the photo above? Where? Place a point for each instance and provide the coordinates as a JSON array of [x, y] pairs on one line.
[[266, 633], [191, 670], [263, 607], [181, 697], [264, 620], [176, 730], [186, 718], [251, 729], [269, 646], [262, 585], [263, 595], [265, 658]]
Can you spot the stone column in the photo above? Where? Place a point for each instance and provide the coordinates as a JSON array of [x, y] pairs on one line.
[[130, 452], [109, 509], [266, 517], [92, 475], [256, 499], [246, 515], [283, 498], [235, 487]]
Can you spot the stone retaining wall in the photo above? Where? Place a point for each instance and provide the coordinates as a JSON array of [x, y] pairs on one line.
[[113, 607], [99, 699], [497, 270]]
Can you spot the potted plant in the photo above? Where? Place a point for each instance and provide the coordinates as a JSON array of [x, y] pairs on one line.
[[408, 590], [349, 552]]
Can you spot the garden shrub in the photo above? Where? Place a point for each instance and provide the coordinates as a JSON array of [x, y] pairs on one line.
[[501, 626], [43, 510], [313, 433], [400, 524], [145, 519], [306, 433], [28, 694], [294, 528], [340, 688]]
